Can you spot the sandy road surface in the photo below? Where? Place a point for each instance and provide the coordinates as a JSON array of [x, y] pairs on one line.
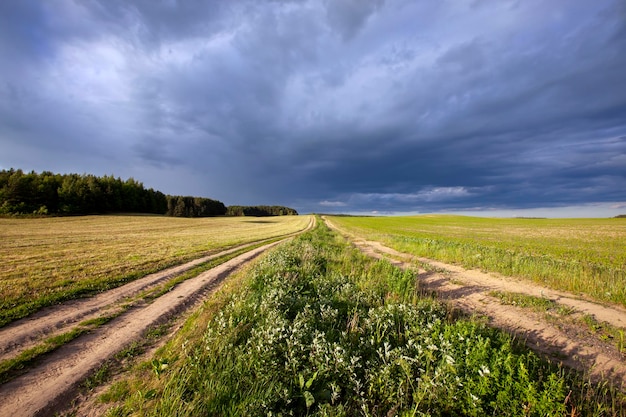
[[48, 387], [41, 390], [25, 333], [468, 290]]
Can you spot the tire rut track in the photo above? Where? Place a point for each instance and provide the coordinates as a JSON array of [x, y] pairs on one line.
[[49, 386], [468, 290], [44, 389], [28, 332]]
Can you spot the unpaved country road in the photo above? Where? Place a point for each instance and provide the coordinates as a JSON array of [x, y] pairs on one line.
[[28, 332], [561, 341], [47, 387]]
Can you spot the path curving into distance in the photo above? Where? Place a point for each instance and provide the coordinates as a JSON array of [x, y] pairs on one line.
[[28, 332], [47, 387], [468, 290]]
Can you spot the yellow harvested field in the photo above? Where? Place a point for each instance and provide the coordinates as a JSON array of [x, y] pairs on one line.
[[46, 256]]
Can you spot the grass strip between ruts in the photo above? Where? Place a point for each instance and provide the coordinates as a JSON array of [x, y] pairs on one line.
[[316, 328], [10, 368]]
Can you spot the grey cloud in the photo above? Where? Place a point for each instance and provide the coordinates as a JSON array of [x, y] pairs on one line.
[[347, 105], [348, 16]]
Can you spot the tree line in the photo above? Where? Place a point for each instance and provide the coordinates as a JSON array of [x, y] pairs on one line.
[[260, 211], [178, 206], [71, 194], [47, 193]]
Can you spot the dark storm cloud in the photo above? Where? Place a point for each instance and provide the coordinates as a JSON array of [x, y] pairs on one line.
[[337, 105]]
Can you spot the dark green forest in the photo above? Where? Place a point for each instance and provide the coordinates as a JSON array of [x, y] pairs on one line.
[[194, 207], [47, 193], [69, 194], [260, 211]]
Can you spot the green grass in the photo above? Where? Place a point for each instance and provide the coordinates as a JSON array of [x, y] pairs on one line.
[[584, 256], [12, 367], [50, 260], [605, 332], [162, 289], [316, 328], [539, 304], [101, 375], [116, 392]]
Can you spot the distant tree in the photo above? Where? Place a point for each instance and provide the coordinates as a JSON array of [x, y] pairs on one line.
[[260, 211], [157, 202], [180, 209], [17, 193], [70, 195], [179, 206], [49, 193], [112, 189]]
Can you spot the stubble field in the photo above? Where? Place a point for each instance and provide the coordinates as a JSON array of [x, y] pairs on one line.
[[46, 261]]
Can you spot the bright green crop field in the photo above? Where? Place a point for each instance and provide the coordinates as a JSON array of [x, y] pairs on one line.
[[44, 261], [583, 256]]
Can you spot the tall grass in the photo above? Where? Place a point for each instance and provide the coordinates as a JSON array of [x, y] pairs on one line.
[[578, 255], [318, 329]]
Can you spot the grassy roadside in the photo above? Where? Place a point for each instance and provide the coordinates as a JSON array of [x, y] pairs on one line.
[[13, 367], [582, 256], [51, 260], [316, 328]]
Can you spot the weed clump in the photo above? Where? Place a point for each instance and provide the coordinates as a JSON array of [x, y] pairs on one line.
[[322, 330]]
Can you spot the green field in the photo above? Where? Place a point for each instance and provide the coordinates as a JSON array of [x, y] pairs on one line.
[[47, 260], [317, 328], [584, 256]]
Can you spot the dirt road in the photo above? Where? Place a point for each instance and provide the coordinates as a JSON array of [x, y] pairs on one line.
[[49, 385], [45, 388], [26, 333], [561, 340]]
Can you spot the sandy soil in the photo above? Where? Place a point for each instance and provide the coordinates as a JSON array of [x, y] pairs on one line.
[[562, 340], [50, 385], [26, 333]]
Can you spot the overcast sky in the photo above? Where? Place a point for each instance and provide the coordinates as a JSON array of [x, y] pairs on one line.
[[389, 106]]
